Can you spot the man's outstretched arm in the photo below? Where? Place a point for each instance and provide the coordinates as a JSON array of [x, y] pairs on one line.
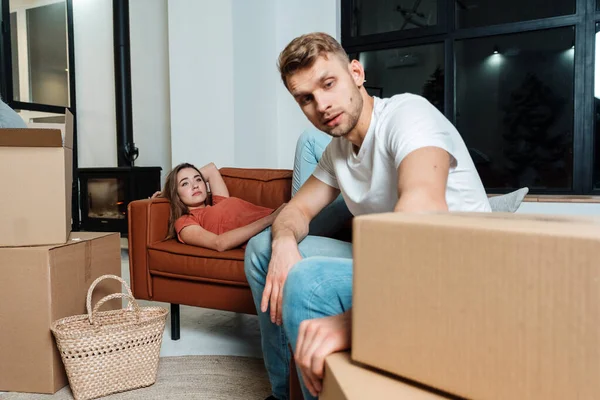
[[289, 228], [422, 179]]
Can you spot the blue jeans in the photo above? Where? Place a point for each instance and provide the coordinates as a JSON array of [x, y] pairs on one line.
[[319, 285], [309, 149]]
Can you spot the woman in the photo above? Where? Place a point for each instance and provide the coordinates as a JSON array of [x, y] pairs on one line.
[[203, 214]]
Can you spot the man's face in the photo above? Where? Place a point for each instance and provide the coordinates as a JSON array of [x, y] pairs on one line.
[[328, 94]]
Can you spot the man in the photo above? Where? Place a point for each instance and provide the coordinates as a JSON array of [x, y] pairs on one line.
[[398, 154]]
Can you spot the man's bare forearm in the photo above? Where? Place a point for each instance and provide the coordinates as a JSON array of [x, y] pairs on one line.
[[290, 224]]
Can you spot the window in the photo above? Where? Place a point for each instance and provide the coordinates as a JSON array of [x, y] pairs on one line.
[[39, 56], [473, 13], [417, 69], [515, 77], [514, 107], [380, 16], [46, 39]]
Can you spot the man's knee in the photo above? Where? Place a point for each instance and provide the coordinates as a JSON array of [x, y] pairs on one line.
[[258, 252], [299, 283]]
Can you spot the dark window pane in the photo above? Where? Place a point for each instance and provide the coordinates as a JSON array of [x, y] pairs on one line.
[[378, 16], [48, 69], [418, 70], [514, 107], [597, 110], [472, 13]]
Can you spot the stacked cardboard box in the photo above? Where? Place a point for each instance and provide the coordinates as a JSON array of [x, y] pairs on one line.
[[482, 306], [45, 270], [36, 173]]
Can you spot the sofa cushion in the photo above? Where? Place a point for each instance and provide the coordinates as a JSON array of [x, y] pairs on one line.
[[174, 259], [263, 187]]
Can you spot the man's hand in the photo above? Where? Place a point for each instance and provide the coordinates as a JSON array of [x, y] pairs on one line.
[[318, 338], [284, 256]]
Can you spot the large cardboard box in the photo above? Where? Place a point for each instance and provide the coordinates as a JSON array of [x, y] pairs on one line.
[[39, 285], [484, 306], [36, 173], [344, 380]]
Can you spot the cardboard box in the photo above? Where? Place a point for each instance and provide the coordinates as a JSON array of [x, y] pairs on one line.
[[484, 306], [344, 380], [36, 171], [39, 285]]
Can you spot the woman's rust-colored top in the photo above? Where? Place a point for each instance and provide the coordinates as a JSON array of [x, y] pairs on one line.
[[226, 214]]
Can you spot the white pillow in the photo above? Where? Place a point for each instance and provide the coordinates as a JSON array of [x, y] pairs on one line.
[[509, 202]]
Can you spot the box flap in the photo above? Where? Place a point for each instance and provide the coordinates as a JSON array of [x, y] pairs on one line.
[[74, 238], [15, 137], [24, 321], [506, 222], [40, 134], [69, 127], [346, 380], [78, 237]]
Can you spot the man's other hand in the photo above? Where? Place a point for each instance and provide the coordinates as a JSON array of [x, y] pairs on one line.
[[283, 258], [318, 338]]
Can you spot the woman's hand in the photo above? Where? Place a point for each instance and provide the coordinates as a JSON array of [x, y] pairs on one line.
[[156, 195]]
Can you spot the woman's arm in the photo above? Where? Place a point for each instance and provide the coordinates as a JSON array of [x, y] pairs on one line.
[[215, 180], [198, 236]]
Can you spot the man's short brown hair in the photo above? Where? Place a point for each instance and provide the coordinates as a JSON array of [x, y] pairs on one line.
[[303, 51]]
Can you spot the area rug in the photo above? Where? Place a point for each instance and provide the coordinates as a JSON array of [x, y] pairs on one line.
[[189, 377]]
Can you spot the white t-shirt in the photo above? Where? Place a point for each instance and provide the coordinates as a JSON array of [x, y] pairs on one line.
[[399, 125]]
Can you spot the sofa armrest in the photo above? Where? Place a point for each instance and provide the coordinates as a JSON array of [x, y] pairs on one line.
[[148, 223]]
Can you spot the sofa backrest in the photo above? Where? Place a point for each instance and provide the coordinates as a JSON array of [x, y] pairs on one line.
[[263, 187]]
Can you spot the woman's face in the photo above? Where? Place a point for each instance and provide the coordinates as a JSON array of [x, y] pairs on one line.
[[191, 188]]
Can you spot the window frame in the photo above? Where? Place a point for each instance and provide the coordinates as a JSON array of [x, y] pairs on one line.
[[584, 23]]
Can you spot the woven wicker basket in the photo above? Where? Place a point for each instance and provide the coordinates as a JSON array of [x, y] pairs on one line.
[[110, 351]]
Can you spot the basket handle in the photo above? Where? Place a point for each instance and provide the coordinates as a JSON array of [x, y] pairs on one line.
[[96, 282], [99, 304]]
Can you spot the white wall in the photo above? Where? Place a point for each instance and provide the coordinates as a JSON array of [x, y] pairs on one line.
[[228, 104], [294, 18], [205, 86], [150, 83], [95, 83], [201, 82], [255, 82]]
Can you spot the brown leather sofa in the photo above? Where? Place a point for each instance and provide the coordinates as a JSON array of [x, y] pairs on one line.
[[175, 273]]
